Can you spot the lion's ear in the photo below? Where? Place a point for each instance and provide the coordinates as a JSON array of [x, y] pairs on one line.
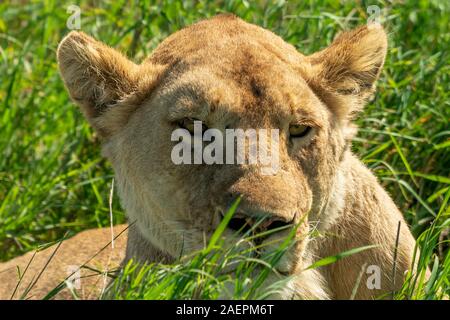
[[344, 74], [96, 76]]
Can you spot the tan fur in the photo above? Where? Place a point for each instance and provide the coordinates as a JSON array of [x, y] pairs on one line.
[[88, 251], [229, 73]]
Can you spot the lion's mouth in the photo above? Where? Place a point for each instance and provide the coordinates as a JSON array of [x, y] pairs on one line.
[[258, 229], [242, 223], [255, 231]]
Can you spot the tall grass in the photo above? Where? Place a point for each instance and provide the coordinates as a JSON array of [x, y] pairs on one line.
[[53, 179], [220, 270]]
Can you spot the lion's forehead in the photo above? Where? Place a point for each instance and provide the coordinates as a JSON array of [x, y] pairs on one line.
[[271, 93], [223, 37], [228, 64]]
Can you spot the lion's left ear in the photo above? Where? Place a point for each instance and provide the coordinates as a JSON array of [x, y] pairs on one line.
[[106, 85], [96, 75], [344, 74]]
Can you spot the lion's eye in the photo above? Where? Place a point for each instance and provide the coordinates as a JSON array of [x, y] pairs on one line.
[[298, 130], [189, 124]]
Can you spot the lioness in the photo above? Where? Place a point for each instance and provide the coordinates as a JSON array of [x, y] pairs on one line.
[[231, 74]]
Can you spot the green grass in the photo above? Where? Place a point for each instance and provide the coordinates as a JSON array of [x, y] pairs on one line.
[[53, 179]]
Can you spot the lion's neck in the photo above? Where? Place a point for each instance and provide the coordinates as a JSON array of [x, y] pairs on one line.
[[332, 206], [141, 250]]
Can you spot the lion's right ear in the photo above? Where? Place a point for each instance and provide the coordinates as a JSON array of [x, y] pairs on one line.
[[96, 76], [345, 73]]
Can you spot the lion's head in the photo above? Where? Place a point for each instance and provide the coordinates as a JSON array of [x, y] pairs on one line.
[[228, 74]]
